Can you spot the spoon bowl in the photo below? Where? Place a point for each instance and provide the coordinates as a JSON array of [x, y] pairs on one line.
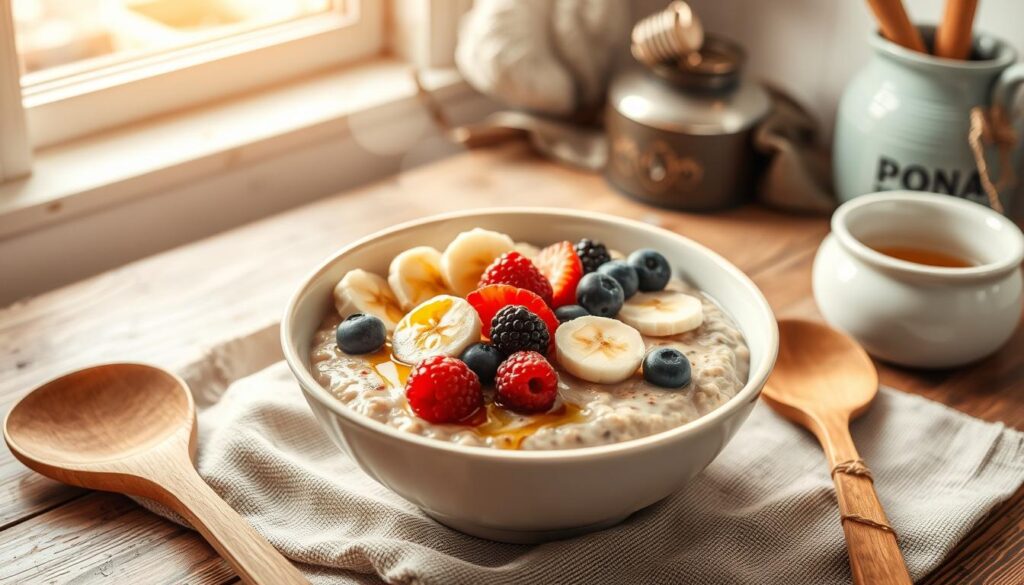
[[820, 370], [131, 428], [92, 418]]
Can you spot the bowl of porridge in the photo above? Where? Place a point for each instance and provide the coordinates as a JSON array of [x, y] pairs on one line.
[[529, 374]]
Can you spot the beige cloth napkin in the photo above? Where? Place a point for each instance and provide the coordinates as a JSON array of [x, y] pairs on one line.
[[763, 512]]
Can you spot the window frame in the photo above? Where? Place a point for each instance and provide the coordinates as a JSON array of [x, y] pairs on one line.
[[15, 148], [92, 101], [422, 32]]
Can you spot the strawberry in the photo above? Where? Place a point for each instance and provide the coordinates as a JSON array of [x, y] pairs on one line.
[[562, 267], [488, 300], [515, 269]]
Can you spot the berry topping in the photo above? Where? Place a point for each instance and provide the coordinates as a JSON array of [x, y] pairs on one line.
[[562, 267], [488, 300], [667, 367], [483, 359], [361, 334], [514, 328], [592, 254], [625, 274], [652, 269], [570, 312], [517, 270], [442, 389], [526, 383], [600, 295]]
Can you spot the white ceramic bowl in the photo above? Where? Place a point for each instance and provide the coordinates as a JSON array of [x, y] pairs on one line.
[[528, 496], [913, 314]]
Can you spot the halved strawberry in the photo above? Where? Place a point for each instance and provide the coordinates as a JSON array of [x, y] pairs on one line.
[[488, 300], [560, 264]]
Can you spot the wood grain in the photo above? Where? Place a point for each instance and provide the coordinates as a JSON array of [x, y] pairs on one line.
[[166, 309], [106, 538]]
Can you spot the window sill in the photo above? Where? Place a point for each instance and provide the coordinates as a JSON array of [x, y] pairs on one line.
[[116, 167]]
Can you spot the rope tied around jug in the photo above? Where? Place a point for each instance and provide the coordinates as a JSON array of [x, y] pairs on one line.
[[992, 126]]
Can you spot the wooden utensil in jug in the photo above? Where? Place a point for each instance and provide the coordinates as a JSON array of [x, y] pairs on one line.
[[895, 24], [953, 39]]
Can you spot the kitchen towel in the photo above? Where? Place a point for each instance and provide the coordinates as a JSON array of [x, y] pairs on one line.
[[763, 512]]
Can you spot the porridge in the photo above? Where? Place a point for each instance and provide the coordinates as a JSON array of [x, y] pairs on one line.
[[502, 345]]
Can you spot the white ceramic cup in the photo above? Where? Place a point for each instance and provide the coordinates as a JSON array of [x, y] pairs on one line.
[[528, 496], [915, 314]]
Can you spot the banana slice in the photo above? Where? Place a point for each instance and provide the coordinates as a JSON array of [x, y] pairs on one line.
[[598, 349], [469, 254], [615, 254], [365, 292], [441, 325], [415, 276], [662, 313]]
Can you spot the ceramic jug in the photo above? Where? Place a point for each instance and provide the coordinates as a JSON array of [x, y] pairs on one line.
[[904, 121]]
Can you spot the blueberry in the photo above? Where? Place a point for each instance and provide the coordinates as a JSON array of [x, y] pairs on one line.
[[625, 274], [652, 269], [483, 359], [361, 334], [667, 367], [599, 294], [570, 312]]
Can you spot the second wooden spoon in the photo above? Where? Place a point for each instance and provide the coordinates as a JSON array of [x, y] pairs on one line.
[[822, 380]]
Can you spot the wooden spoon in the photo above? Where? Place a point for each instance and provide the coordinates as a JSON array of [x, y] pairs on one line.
[[895, 24], [953, 39], [131, 428], [822, 380]]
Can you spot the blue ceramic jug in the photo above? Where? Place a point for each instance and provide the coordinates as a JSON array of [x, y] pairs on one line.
[[904, 121]]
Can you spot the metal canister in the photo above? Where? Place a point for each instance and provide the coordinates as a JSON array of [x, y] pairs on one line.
[[680, 131]]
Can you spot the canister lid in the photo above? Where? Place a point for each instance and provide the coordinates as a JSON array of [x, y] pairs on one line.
[[702, 94], [716, 66]]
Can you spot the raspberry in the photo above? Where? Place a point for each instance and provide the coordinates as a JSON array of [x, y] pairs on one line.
[[515, 328], [442, 389], [517, 270], [526, 382], [592, 254]]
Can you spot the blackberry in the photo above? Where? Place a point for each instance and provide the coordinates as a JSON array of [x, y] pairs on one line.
[[592, 254], [514, 328]]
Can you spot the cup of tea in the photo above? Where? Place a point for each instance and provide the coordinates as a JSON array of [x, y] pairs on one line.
[[921, 279]]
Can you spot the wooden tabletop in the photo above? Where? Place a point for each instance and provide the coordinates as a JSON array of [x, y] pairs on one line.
[[166, 309]]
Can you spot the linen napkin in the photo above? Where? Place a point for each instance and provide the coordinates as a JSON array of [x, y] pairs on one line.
[[763, 512]]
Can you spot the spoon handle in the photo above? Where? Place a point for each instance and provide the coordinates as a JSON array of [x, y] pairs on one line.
[[248, 553], [875, 557]]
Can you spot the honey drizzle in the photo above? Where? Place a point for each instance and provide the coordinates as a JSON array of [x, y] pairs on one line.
[[507, 429], [500, 425]]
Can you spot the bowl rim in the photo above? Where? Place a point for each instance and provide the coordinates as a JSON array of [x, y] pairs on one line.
[[945, 203], [756, 379]]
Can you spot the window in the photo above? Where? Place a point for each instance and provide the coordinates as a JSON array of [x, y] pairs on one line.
[[88, 65], [70, 68]]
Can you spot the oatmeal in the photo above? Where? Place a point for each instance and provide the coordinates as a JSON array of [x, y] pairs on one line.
[[584, 413]]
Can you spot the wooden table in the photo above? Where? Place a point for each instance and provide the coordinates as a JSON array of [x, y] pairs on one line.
[[167, 308]]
